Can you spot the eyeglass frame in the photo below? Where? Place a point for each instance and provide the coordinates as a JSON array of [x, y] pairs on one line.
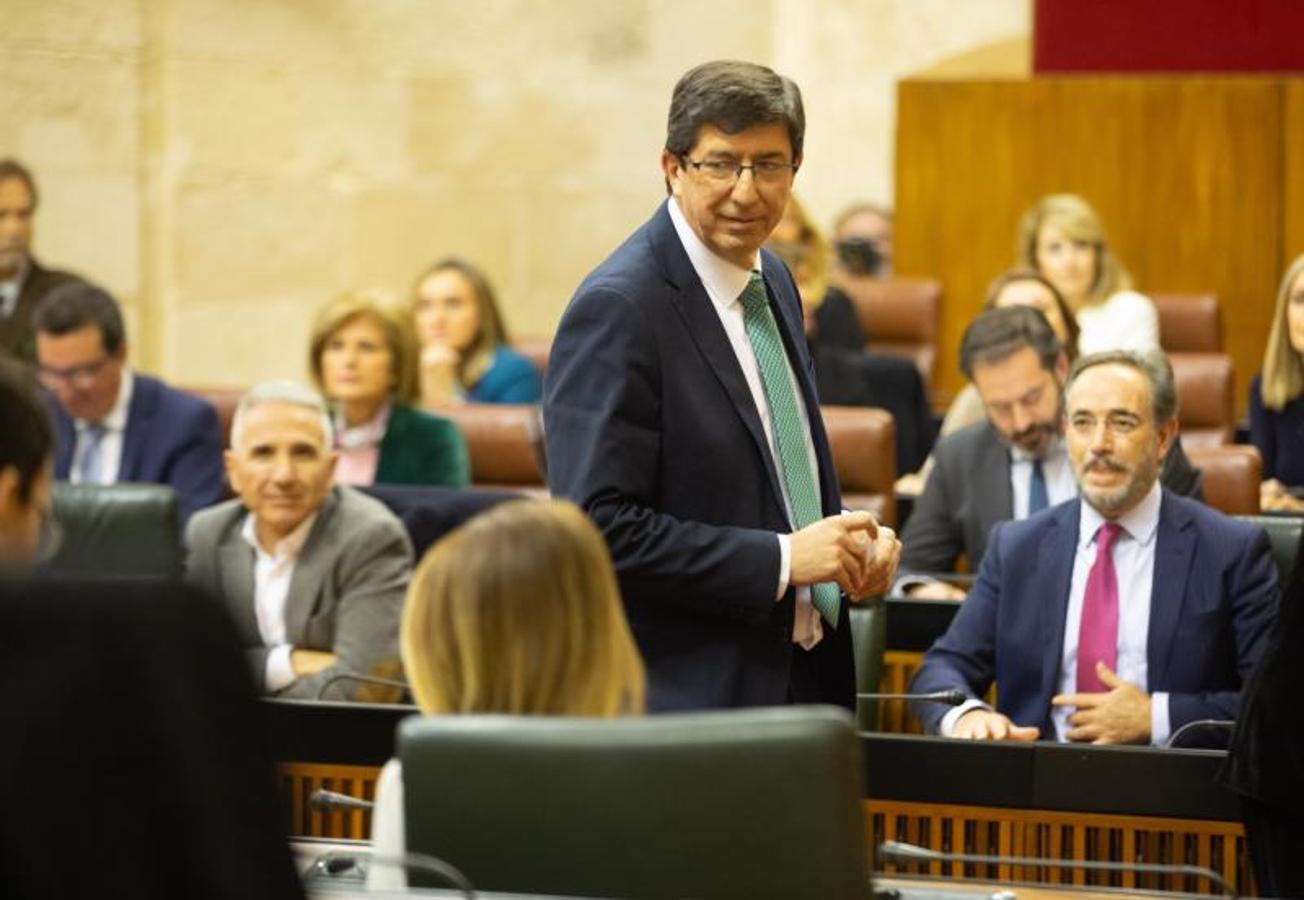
[[78, 376], [765, 166]]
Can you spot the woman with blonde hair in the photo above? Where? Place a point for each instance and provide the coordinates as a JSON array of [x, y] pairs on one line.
[[464, 352], [1277, 397], [1062, 238], [363, 359], [536, 629]]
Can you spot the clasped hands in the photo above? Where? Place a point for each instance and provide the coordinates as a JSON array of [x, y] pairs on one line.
[[851, 549], [1120, 715]]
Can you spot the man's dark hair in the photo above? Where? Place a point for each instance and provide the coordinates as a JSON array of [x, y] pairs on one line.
[[11, 168], [1000, 333], [27, 436], [74, 305], [733, 96]]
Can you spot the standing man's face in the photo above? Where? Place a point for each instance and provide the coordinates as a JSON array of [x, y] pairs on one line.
[[16, 208], [733, 213]]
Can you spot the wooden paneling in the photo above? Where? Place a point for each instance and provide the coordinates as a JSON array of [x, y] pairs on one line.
[[298, 782], [1292, 209], [980, 830], [1185, 172]]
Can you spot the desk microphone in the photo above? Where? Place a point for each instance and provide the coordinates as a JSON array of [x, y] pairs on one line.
[[333, 801], [900, 852], [361, 679], [952, 697]]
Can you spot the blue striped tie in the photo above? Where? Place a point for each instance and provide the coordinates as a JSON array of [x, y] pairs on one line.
[[88, 470], [1037, 498], [785, 417]]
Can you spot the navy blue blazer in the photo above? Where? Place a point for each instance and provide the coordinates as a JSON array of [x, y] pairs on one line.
[[652, 430], [1215, 594], [172, 438]]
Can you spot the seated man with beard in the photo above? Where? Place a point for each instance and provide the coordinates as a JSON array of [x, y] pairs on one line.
[[1119, 617]]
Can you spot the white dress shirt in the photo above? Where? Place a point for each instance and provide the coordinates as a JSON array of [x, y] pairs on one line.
[[115, 428], [1055, 469], [272, 574], [1134, 567], [724, 283]]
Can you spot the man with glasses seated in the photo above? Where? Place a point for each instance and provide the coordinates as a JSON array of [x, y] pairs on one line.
[[681, 415], [1118, 617], [26, 457], [113, 425]]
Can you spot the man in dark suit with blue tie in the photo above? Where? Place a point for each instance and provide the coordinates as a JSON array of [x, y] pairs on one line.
[[681, 415], [112, 424], [1118, 617]]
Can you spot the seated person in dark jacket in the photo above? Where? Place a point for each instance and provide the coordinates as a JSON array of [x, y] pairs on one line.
[[1118, 617], [363, 358], [1011, 464], [1277, 398], [26, 458], [112, 424]]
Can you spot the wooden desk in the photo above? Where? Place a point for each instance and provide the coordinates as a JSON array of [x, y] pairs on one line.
[[1139, 804]]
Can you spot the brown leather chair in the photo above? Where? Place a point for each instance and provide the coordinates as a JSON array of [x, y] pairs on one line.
[[1231, 477], [504, 441], [899, 315], [224, 400], [1206, 398], [535, 349], [1189, 323], [863, 443]]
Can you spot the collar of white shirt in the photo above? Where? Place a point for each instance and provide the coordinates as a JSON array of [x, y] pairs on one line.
[[287, 549], [724, 281], [1140, 522], [116, 420]]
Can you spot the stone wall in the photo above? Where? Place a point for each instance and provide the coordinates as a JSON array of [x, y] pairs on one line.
[[225, 166]]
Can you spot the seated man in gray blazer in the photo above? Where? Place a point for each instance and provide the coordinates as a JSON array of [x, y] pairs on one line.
[[314, 575]]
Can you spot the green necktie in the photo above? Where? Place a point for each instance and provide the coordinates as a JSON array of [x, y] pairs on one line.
[[785, 418]]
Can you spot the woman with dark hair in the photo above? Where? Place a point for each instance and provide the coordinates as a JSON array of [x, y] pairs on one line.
[[464, 352]]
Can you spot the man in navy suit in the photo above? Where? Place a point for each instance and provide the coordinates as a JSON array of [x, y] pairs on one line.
[[681, 415], [112, 424], [1114, 620]]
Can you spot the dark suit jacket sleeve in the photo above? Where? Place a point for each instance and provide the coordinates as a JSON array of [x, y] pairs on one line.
[[965, 656], [1252, 593], [1179, 475], [373, 571], [933, 538], [195, 470], [607, 433]]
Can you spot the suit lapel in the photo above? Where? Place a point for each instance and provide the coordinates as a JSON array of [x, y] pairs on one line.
[[236, 568], [704, 329], [140, 415], [65, 440], [1050, 589], [993, 496], [309, 572], [1175, 546]]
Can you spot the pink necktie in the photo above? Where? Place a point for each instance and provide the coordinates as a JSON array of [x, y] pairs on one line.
[[1098, 635]]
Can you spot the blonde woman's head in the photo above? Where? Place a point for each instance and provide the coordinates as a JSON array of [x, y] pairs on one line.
[[1062, 238], [518, 612], [362, 347], [1283, 361]]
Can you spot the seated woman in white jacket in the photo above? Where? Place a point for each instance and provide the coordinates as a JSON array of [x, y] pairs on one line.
[[515, 612], [1061, 237]]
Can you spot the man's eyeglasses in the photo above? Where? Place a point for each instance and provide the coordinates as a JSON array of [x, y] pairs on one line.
[[723, 173], [77, 376]]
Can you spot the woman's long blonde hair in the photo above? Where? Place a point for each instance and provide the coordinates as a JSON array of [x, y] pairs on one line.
[[1079, 222], [518, 611], [1283, 370]]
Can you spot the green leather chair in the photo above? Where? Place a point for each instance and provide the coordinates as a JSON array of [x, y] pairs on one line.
[[1285, 534], [117, 529], [744, 803], [868, 642]]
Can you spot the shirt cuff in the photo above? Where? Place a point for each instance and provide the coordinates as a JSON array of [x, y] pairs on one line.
[[280, 671], [785, 564], [947, 725], [1160, 726]]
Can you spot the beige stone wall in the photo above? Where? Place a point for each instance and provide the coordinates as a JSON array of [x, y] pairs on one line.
[[225, 166]]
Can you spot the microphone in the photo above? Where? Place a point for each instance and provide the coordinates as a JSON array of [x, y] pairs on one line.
[[336, 867], [333, 801], [362, 679], [901, 852], [952, 697]]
